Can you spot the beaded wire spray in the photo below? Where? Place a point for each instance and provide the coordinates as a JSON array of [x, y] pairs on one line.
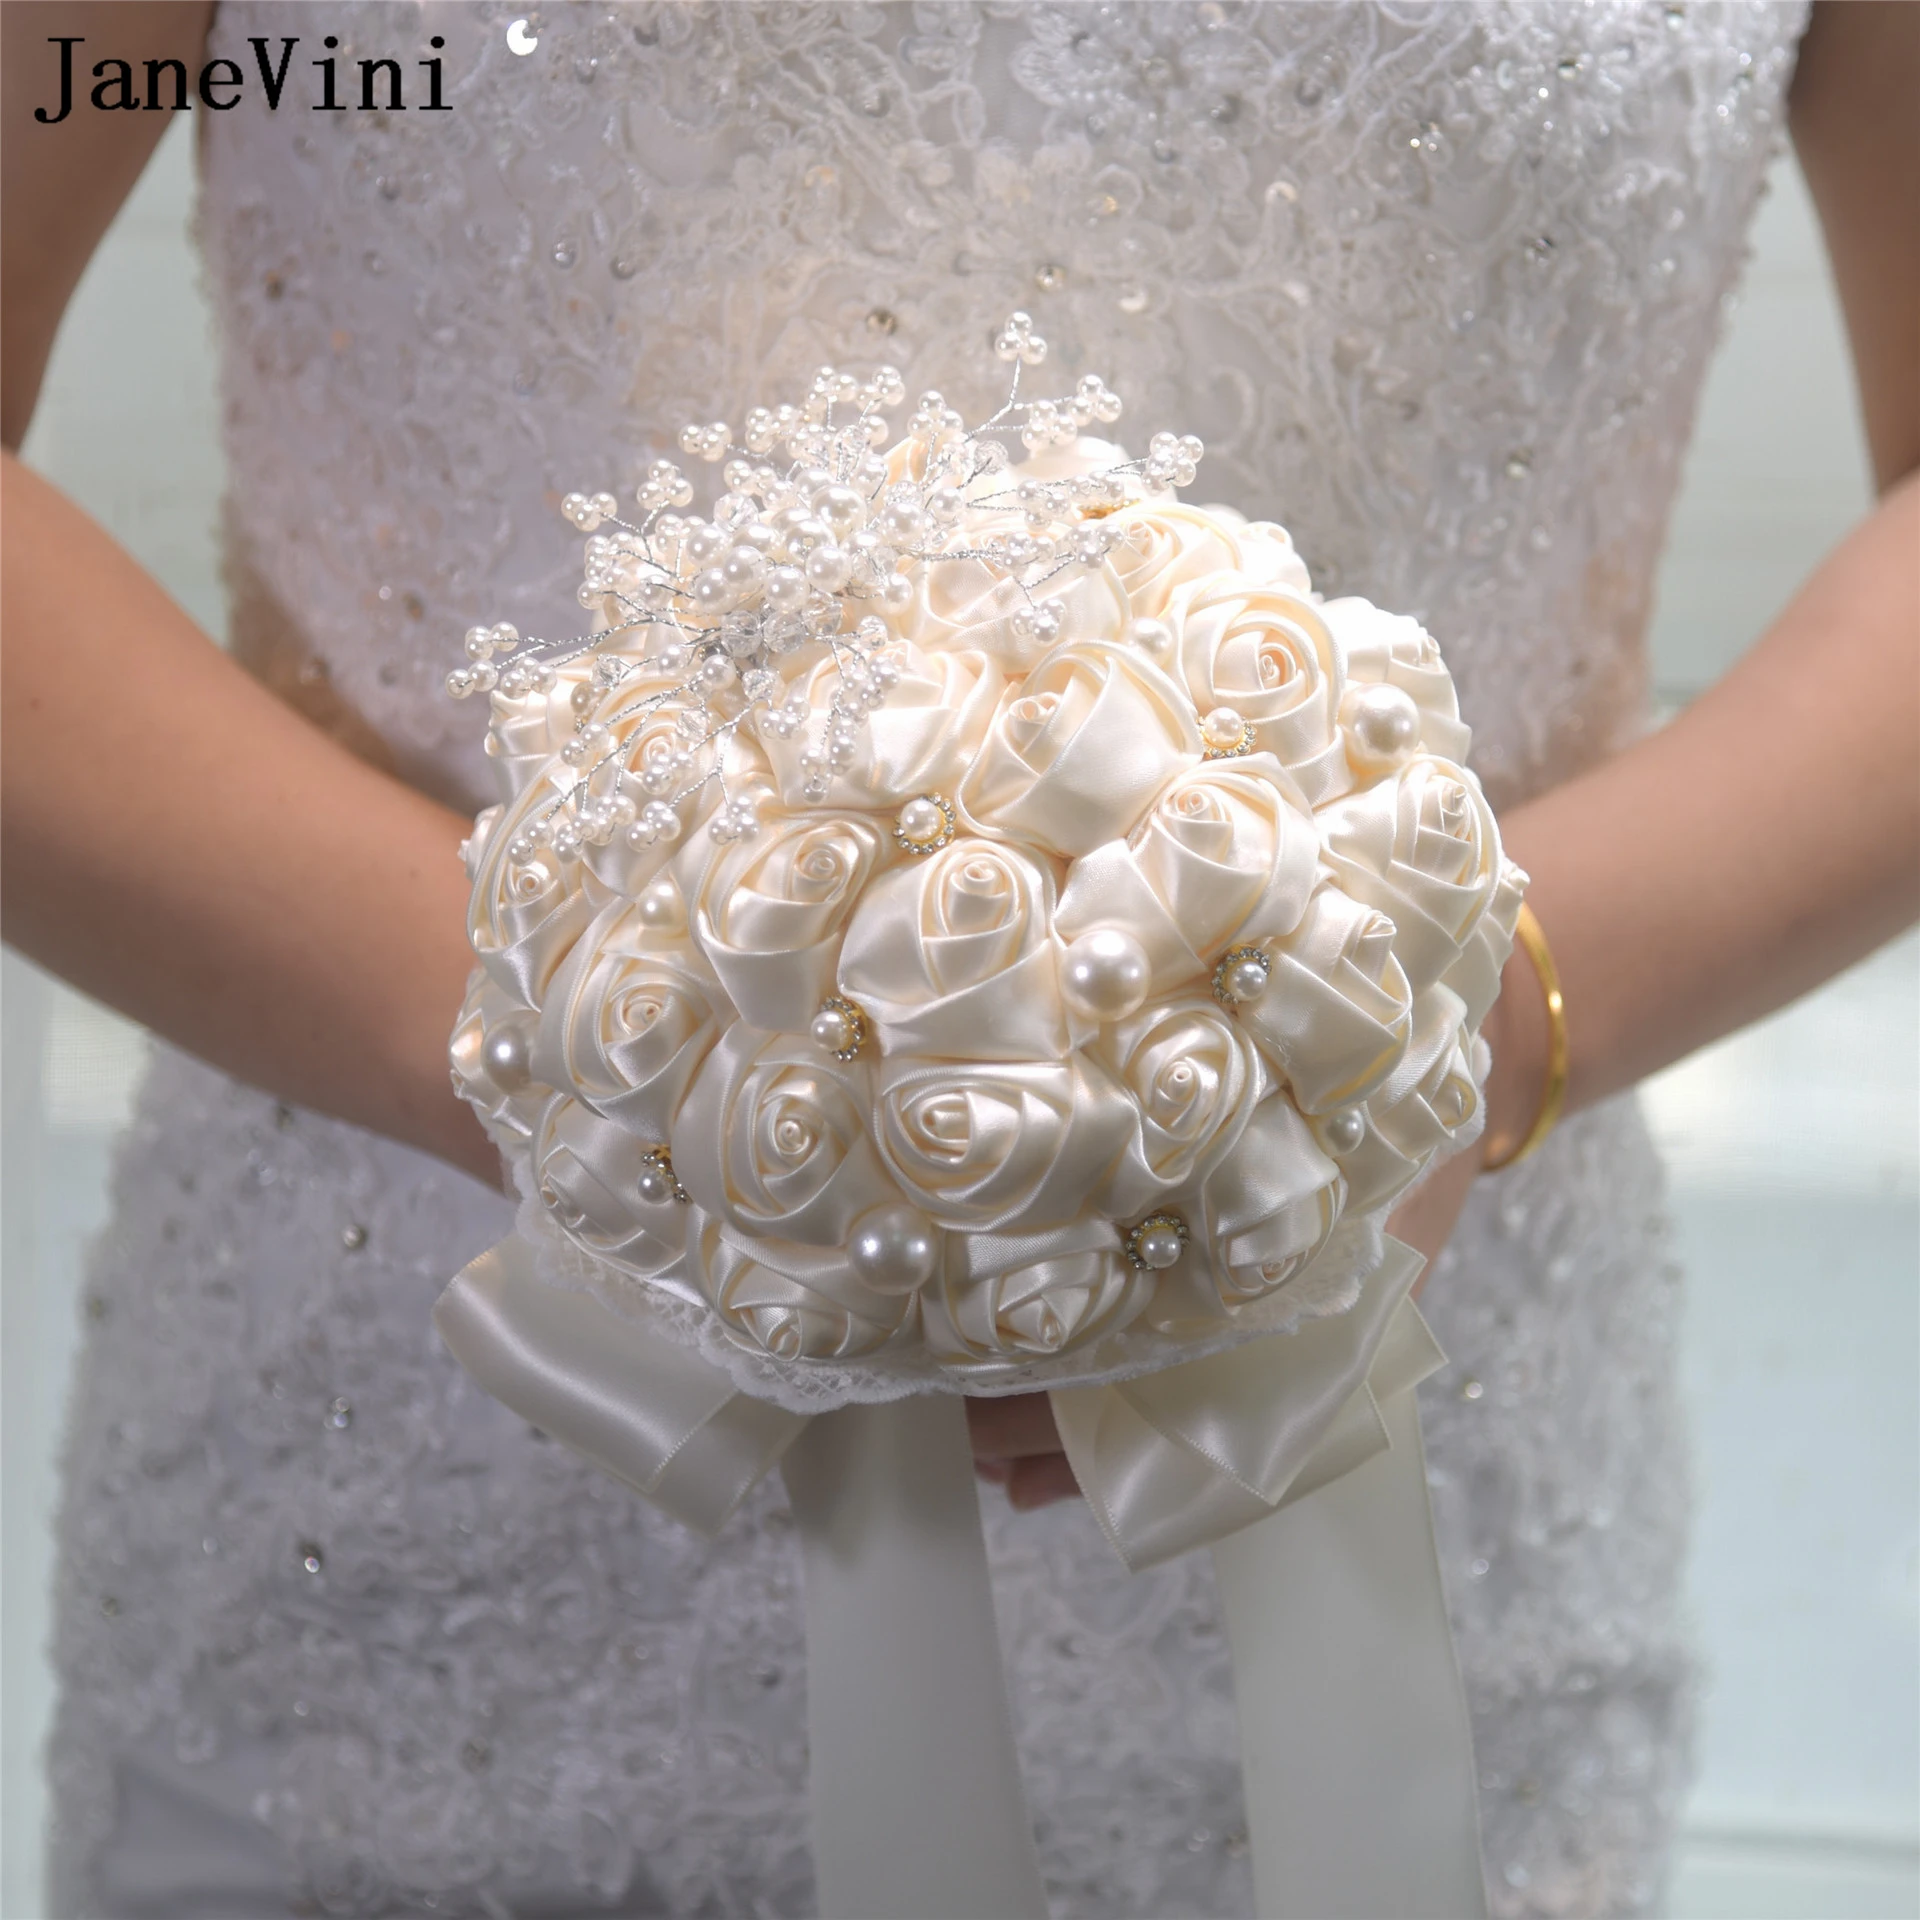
[[815, 551]]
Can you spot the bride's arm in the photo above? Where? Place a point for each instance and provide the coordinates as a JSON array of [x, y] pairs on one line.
[[1771, 834], [175, 841]]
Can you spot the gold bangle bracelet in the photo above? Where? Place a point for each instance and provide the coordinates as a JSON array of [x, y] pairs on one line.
[[1553, 1096]]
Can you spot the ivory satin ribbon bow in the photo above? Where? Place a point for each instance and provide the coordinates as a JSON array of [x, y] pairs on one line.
[[1356, 1746]]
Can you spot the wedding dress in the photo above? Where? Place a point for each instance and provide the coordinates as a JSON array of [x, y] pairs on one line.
[[1437, 285]]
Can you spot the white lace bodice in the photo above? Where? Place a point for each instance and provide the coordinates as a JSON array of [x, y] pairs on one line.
[[1437, 284]]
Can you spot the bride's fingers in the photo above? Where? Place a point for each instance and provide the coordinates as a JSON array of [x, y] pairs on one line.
[[1040, 1480], [1013, 1427]]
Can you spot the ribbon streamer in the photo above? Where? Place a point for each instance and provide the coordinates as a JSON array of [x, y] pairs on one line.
[[1357, 1750]]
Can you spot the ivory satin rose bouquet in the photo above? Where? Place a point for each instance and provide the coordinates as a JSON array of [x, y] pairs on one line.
[[965, 920], [969, 920]]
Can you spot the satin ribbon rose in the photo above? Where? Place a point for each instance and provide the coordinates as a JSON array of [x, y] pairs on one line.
[[1337, 1010], [772, 1139], [1421, 846], [1085, 453], [921, 740], [1078, 749], [1164, 545], [954, 953], [492, 1058], [1260, 1219], [594, 1180], [628, 1018], [523, 915], [772, 1144], [1263, 651], [1002, 1146], [1399, 699], [1267, 553], [654, 750], [1430, 1105], [768, 912], [1227, 852], [970, 604], [1003, 1299], [1195, 1079], [1475, 976], [528, 729], [787, 1298]]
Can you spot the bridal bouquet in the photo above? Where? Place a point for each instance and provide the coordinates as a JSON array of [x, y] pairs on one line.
[[965, 920], [985, 921]]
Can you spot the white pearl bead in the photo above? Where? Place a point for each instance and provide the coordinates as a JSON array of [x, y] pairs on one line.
[[832, 1029], [1159, 1248], [1245, 980], [894, 1249], [785, 589], [922, 822], [1383, 724], [660, 907], [828, 568], [507, 1053], [1154, 638], [1223, 727], [1105, 974], [1344, 1129], [712, 591], [841, 508], [653, 1184]]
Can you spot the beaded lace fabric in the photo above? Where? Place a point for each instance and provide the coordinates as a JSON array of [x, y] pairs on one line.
[[1437, 285]]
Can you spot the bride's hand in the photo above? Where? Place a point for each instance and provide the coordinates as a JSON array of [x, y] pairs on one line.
[[1015, 1443]]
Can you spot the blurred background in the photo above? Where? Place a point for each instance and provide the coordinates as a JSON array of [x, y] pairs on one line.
[[1794, 1148]]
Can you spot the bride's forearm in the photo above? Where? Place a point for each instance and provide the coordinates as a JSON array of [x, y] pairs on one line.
[[183, 847], [1764, 840]]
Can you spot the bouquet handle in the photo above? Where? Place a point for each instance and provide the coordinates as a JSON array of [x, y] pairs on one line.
[[1356, 1747], [918, 1812]]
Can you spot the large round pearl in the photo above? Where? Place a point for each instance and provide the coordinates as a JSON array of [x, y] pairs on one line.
[[660, 907], [828, 568], [1246, 979], [507, 1053], [833, 1029], [713, 592], [1383, 725], [654, 1184], [1154, 638], [743, 569], [842, 508], [785, 589], [893, 1249], [1223, 728], [1344, 1129], [1159, 1248], [1105, 974], [922, 821]]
